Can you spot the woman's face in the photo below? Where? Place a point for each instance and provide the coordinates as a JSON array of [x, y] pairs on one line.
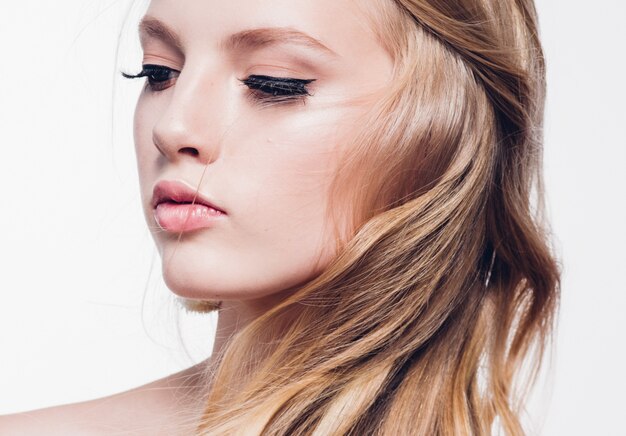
[[250, 102]]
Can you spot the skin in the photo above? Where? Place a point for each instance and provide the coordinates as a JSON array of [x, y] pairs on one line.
[[267, 166]]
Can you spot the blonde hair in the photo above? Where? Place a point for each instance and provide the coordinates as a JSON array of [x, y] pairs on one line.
[[444, 284]]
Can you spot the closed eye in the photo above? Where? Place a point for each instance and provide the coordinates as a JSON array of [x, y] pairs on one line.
[[159, 77], [264, 89], [277, 89]]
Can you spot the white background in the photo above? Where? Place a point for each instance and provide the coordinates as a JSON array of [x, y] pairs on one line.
[[83, 310]]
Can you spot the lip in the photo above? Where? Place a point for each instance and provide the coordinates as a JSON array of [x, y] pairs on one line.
[[170, 190]]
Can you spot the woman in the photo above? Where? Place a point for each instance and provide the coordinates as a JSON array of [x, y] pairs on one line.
[[349, 184]]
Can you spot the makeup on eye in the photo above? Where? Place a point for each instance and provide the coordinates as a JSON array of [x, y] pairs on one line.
[[277, 89], [158, 76], [263, 88]]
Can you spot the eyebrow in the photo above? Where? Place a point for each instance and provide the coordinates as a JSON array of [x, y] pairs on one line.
[[244, 40], [157, 29]]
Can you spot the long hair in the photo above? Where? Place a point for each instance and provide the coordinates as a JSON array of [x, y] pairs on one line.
[[445, 284]]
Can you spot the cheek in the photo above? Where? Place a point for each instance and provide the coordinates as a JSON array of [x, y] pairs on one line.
[[275, 183], [284, 171], [144, 121], [150, 162], [282, 180]]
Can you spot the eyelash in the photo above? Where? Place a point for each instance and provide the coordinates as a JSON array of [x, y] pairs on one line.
[[268, 89], [264, 89], [155, 76]]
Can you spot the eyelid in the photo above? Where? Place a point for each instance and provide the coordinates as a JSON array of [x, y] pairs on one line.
[[149, 71], [279, 83], [270, 90], [145, 70], [263, 88]]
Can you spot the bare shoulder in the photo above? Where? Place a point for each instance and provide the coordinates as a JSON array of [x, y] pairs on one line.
[[69, 419], [167, 406]]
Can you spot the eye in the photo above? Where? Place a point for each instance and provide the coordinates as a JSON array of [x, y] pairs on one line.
[[158, 77], [268, 89]]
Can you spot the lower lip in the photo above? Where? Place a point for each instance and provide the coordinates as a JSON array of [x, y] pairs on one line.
[[174, 217]]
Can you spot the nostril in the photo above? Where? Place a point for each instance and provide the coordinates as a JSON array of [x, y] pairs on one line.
[[189, 150]]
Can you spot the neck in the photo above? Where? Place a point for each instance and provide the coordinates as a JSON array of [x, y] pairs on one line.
[[234, 316]]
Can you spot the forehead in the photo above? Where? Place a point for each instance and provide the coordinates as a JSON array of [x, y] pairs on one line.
[[346, 28]]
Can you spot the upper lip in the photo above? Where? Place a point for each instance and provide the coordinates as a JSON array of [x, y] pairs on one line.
[[169, 190]]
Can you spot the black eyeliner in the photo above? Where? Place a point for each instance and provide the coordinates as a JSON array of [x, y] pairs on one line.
[[278, 86]]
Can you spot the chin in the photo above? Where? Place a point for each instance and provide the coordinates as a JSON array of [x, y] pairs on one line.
[[184, 280], [199, 279]]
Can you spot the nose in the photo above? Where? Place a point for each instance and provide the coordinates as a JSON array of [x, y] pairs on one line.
[[191, 125]]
